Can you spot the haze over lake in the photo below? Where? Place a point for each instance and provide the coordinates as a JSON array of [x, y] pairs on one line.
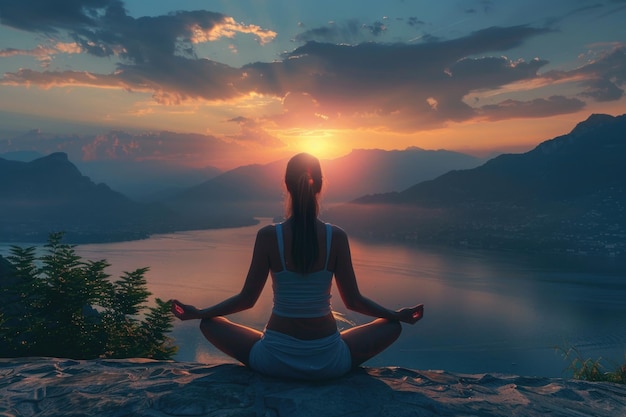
[[484, 312]]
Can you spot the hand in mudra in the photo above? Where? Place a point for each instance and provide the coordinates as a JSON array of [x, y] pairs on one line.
[[411, 315], [184, 311]]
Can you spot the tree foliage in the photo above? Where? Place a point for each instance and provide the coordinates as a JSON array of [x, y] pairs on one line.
[[60, 305]]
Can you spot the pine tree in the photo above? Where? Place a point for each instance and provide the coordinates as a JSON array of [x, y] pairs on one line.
[[68, 307]]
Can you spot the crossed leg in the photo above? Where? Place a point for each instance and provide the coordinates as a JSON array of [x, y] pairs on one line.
[[368, 340], [364, 342], [231, 338]]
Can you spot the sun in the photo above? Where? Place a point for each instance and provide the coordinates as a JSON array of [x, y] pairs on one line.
[[319, 143]]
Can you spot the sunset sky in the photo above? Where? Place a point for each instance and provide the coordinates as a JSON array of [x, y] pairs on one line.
[[230, 82]]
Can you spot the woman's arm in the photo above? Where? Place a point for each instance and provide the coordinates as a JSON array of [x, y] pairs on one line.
[[249, 294], [349, 289]]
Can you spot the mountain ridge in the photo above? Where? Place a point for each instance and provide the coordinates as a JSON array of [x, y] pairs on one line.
[[566, 195], [259, 188], [50, 194]]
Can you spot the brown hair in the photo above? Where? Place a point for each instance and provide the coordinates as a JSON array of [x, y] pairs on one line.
[[303, 179]]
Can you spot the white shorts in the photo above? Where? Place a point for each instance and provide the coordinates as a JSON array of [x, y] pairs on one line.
[[280, 355]]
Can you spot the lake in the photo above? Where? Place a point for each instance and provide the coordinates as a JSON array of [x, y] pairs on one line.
[[484, 312]]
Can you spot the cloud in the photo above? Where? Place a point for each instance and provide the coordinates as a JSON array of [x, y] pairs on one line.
[[537, 108], [43, 53], [176, 148], [154, 40], [252, 132], [605, 76], [51, 16], [350, 31], [48, 79], [103, 28], [339, 83], [39, 52], [601, 78], [370, 82], [414, 21]]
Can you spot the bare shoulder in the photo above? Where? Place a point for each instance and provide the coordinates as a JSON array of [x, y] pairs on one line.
[[339, 245], [339, 250], [339, 233], [267, 233]]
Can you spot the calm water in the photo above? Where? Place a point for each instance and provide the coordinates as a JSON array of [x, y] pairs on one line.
[[483, 313]]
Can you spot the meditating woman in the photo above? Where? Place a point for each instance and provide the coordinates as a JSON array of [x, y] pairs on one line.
[[301, 339]]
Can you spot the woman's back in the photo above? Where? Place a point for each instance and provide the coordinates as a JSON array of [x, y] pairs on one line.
[[302, 295], [301, 301]]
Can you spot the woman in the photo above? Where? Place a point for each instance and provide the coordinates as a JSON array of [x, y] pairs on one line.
[[302, 254]]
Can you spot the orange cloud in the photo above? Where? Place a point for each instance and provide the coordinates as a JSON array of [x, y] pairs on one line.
[[227, 28]]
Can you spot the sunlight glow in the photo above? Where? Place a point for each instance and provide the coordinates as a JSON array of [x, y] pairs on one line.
[[319, 143]]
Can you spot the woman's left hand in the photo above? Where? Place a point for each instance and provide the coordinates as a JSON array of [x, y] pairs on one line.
[[411, 315], [184, 311]]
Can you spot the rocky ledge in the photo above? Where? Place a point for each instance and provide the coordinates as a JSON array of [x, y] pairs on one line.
[[60, 387]]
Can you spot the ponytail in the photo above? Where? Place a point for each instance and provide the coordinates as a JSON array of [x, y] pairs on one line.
[[304, 182]]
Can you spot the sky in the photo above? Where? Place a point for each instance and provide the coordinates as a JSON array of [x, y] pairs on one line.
[[225, 83]]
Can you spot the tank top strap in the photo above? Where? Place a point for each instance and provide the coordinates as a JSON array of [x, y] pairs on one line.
[[329, 231], [281, 245]]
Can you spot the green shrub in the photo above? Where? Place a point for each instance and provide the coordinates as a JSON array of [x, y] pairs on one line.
[[60, 305], [593, 369]]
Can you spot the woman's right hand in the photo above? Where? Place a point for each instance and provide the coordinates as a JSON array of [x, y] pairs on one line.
[[184, 311], [411, 315]]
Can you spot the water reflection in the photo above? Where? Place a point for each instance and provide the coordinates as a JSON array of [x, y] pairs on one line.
[[484, 313]]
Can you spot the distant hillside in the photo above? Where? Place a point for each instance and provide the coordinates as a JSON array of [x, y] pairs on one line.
[[50, 194], [367, 171], [258, 189], [566, 195], [135, 164], [146, 180]]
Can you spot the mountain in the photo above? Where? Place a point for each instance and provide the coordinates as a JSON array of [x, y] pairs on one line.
[[250, 190], [258, 189], [566, 195], [50, 194], [146, 180], [367, 171]]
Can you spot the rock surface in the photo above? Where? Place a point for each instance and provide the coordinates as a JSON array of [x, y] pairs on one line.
[[60, 387]]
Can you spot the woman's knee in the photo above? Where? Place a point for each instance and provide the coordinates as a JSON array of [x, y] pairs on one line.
[[395, 327], [392, 328], [209, 322]]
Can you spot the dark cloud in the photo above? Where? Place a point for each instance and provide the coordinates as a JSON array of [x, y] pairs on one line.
[[493, 71], [376, 28], [602, 79], [602, 90], [422, 83], [536, 108], [350, 32], [339, 82], [148, 39], [180, 78], [50, 16], [606, 75], [157, 53], [252, 132], [103, 28], [414, 21]]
